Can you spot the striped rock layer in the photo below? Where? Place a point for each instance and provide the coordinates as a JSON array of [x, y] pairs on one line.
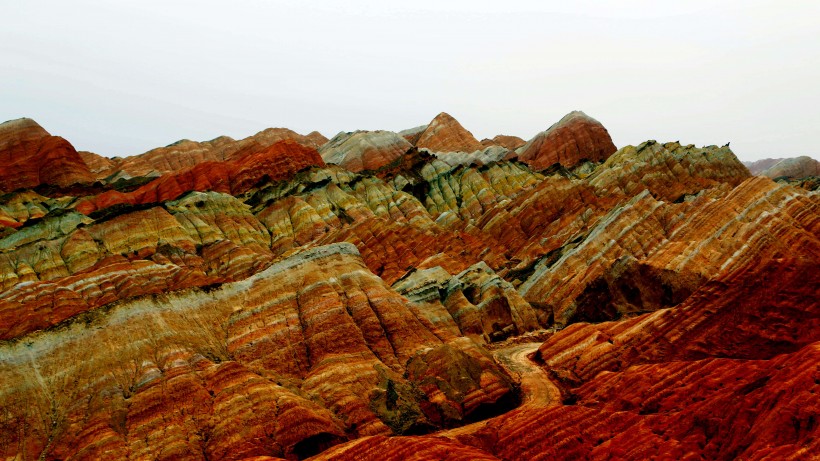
[[575, 138], [311, 351], [364, 150], [30, 156], [185, 154], [270, 301]]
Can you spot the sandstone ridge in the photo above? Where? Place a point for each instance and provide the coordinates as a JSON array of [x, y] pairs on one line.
[[31, 157], [412, 295]]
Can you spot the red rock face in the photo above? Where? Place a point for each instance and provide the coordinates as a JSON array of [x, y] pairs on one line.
[[730, 373], [575, 138], [777, 297], [99, 166], [380, 448], [279, 161], [303, 355], [186, 154], [711, 408], [445, 134], [269, 305], [31, 157]]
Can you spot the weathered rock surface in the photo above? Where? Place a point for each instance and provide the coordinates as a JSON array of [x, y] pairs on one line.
[[445, 134], [575, 138], [185, 154], [706, 409], [411, 135], [486, 156], [31, 157], [699, 381], [380, 448], [642, 257], [270, 305], [669, 171], [755, 309], [278, 161], [482, 304], [17, 208], [99, 165], [298, 357], [364, 150]]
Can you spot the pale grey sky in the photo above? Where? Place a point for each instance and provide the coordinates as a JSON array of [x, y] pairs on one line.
[[121, 77]]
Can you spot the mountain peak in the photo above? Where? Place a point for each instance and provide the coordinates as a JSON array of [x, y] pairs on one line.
[[576, 137], [445, 134], [21, 129], [31, 157]]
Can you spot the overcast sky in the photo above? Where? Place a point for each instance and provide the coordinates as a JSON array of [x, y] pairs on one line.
[[119, 78]]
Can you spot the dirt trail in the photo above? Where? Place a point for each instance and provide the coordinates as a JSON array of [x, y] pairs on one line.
[[537, 391]]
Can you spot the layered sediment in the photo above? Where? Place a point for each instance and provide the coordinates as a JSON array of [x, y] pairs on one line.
[[31, 157], [287, 296]]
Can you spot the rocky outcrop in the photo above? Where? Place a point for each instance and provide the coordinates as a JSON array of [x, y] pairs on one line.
[[185, 154], [761, 305], [669, 171], [641, 257], [575, 138], [66, 263], [445, 134], [294, 359], [271, 305], [483, 305], [364, 150], [17, 208], [729, 374], [486, 156], [63, 266], [31, 157], [792, 168], [712, 408], [279, 161]]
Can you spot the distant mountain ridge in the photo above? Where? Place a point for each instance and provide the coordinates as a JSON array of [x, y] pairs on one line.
[[794, 167]]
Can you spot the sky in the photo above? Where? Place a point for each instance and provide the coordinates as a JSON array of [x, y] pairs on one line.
[[119, 78]]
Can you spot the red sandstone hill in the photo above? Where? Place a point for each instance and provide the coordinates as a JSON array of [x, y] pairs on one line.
[[278, 161], [574, 138], [30, 157], [659, 302], [185, 154], [445, 134]]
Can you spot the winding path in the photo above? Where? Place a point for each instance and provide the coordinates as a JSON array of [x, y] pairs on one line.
[[537, 391]]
